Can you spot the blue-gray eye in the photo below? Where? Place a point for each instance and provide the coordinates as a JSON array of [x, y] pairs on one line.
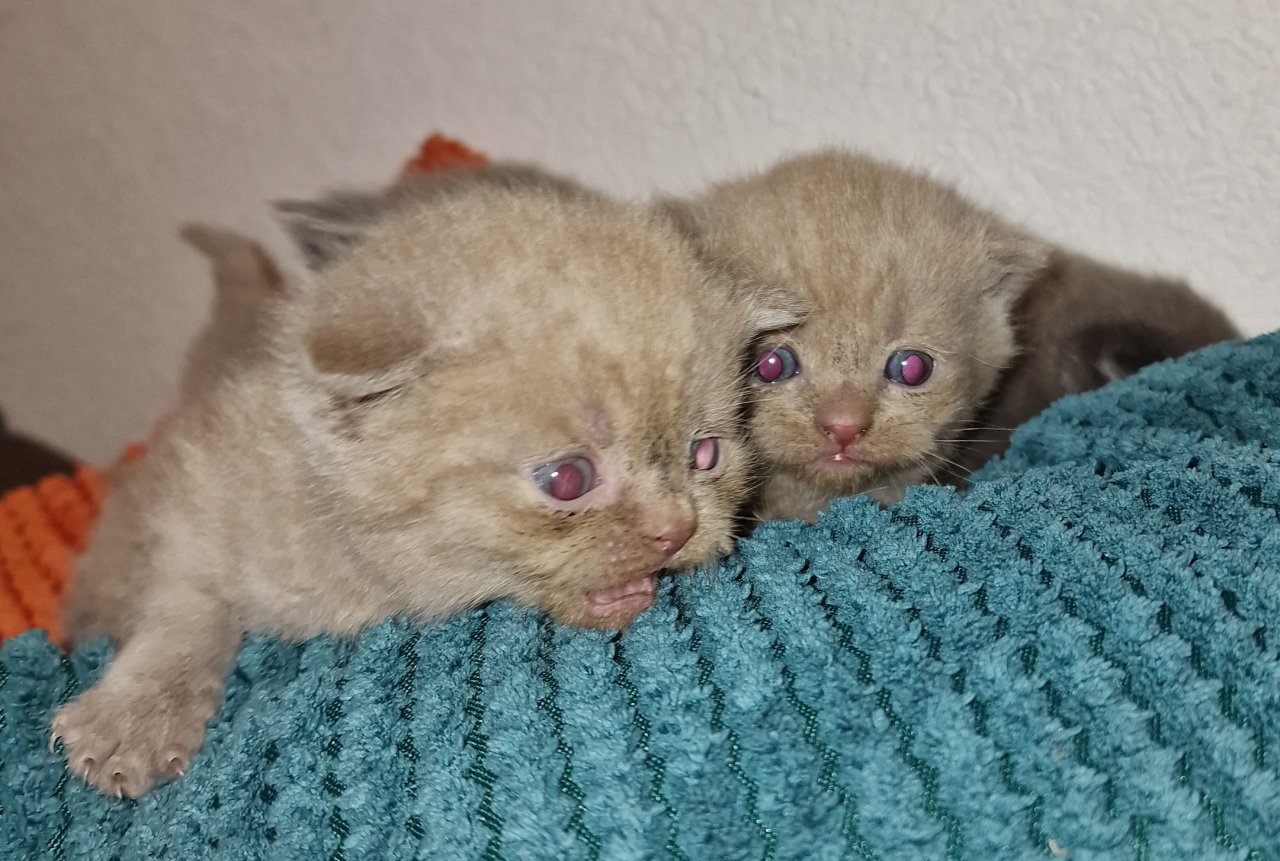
[[908, 367], [777, 364]]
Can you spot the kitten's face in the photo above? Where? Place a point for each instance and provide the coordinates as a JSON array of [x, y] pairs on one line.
[[910, 289], [540, 397]]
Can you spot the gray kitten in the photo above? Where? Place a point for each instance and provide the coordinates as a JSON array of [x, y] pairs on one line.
[[1082, 324]]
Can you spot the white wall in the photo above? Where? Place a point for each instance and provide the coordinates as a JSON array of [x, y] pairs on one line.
[[1144, 132]]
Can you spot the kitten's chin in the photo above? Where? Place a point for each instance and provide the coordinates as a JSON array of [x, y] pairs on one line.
[[623, 602], [613, 608]]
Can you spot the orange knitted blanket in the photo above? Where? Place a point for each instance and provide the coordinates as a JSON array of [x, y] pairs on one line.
[[44, 526]]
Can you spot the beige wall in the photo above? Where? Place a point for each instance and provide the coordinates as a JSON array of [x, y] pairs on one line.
[[1144, 132]]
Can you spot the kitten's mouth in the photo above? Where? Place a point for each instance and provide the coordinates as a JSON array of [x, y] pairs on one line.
[[839, 461], [628, 600]]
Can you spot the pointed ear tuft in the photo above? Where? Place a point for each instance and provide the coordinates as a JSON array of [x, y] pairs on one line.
[[326, 230], [238, 262]]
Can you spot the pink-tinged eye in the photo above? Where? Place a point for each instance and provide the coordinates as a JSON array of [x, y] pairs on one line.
[[566, 479], [777, 364], [706, 453], [909, 367]]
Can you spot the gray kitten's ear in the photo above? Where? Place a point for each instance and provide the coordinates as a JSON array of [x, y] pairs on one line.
[[326, 230]]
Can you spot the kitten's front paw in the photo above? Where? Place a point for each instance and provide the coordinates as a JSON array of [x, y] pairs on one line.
[[124, 742]]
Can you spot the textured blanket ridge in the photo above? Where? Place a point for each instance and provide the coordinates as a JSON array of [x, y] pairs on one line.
[[1078, 658]]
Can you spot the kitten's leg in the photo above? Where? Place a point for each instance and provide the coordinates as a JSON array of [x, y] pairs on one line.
[[146, 718]]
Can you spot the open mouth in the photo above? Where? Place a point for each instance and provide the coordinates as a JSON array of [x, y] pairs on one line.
[[627, 600]]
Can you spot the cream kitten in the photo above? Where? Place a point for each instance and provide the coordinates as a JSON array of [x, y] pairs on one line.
[[499, 393], [911, 289], [936, 327]]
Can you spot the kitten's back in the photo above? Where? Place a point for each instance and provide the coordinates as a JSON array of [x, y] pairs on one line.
[[1083, 324]]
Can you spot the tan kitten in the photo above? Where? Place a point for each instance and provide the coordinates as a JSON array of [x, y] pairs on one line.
[[911, 289], [501, 393]]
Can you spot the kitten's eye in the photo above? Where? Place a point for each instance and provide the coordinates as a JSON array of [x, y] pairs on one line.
[[908, 367], [706, 453], [776, 364], [566, 479]]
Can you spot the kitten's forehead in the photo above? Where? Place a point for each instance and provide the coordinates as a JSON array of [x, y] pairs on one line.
[[533, 263], [825, 221], [881, 253], [588, 320]]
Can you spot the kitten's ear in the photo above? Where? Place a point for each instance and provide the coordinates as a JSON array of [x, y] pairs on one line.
[[1017, 258], [365, 342], [238, 262], [772, 308], [685, 216], [326, 230]]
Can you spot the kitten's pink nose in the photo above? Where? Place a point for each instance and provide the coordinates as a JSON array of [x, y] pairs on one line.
[[842, 435], [672, 533], [843, 422]]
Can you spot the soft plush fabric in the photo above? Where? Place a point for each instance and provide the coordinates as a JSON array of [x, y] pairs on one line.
[[1079, 658]]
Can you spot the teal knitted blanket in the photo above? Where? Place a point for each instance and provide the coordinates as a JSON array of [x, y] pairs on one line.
[[1079, 658]]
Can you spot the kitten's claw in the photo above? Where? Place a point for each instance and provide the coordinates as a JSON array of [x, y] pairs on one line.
[[124, 746], [86, 769]]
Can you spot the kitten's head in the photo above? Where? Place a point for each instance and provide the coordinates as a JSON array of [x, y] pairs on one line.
[[911, 289], [513, 392]]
